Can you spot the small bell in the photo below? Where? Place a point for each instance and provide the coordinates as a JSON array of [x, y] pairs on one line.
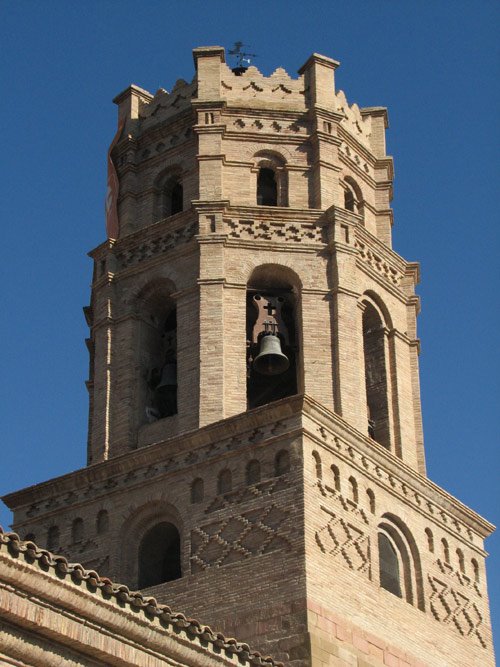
[[166, 390], [168, 377], [270, 360]]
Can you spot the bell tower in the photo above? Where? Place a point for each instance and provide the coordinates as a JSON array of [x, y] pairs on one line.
[[255, 450]]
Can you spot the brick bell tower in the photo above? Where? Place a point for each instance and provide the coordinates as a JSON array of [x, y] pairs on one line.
[[255, 452]]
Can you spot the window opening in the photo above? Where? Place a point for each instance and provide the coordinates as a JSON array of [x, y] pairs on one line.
[[267, 187], [159, 555], [349, 200], [163, 377], [176, 199], [389, 566], [375, 377]]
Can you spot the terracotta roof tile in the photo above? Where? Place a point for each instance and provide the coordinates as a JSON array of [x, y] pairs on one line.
[[12, 543]]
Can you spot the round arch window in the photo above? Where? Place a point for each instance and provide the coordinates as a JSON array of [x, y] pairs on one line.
[[159, 555]]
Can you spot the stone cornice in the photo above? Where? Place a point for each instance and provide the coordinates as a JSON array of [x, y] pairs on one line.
[[158, 452], [367, 449], [285, 417]]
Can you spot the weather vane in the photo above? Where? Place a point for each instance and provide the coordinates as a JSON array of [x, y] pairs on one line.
[[243, 58]]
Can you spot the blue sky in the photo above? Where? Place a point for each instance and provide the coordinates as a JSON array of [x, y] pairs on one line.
[[434, 64]]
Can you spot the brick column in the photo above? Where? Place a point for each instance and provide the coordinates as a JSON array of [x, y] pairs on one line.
[[349, 380], [318, 74]]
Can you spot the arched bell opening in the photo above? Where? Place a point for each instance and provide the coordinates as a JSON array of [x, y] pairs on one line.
[[271, 337], [158, 341], [376, 376]]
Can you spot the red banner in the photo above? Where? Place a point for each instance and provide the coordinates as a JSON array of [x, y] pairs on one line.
[[111, 203]]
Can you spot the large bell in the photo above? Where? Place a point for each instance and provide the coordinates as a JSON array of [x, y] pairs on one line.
[[270, 360]]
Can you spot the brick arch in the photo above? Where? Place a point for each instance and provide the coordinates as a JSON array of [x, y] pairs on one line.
[[269, 157], [168, 172], [135, 524], [164, 280], [376, 301], [277, 273], [250, 155], [241, 273], [405, 543]]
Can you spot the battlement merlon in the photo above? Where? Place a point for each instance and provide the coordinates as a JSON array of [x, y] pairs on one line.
[[379, 121], [319, 79], [129, 102], [216, 83]]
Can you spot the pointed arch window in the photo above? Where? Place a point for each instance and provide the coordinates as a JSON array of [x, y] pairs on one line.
[[159, 555]]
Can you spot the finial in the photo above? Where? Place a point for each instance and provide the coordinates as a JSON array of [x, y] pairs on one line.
[[242, 57]]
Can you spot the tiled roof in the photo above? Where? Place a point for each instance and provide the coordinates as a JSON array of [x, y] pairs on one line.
[[12, 544]]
